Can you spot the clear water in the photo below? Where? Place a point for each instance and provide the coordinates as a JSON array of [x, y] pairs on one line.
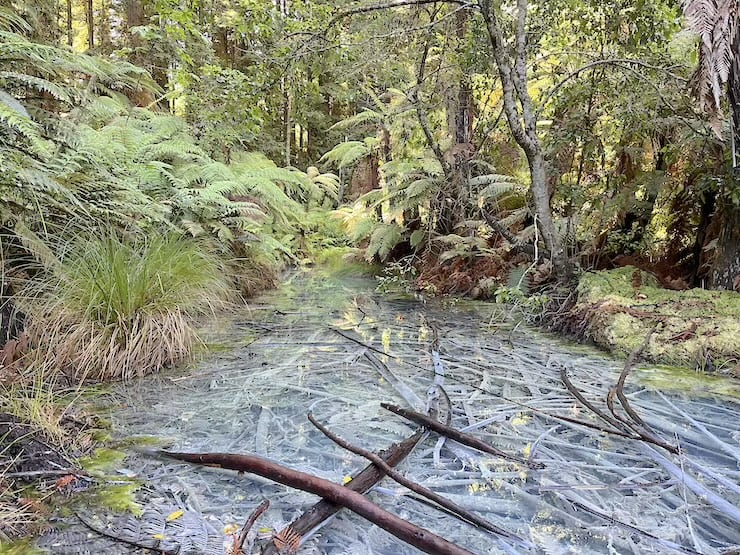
[[281, 358]]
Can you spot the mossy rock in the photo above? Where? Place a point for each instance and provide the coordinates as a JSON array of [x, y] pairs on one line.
[[697, 328]]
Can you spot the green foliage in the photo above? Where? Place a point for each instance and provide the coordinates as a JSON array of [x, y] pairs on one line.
[[349, 153], [398, 276], [382, 241]]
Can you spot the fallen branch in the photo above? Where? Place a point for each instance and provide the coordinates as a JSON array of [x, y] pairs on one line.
[[413, 535], [452, 507], [609, 518], [585, 402], [370, 475], [623, 377], [457, 435], [258, 512], [45, 473]]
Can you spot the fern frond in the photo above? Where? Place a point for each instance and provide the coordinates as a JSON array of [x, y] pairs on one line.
[[362, 118], [347, 153], [382, 241]]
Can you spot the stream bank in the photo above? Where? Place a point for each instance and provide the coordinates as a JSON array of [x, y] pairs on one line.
[[283, 356], [697, 329]]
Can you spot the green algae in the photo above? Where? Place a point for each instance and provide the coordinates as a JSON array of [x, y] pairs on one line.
[[102, 461], [683, 380], [120, 498], [696, 326], [22, 547], [114, 492], [343, 261]]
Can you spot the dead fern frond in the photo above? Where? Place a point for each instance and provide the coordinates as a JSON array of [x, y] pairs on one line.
[[715, 22], [287, 541]]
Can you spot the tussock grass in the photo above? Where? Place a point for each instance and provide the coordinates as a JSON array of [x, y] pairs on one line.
[[116, 309]]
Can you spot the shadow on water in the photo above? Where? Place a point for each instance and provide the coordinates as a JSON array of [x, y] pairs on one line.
[[596, 494]]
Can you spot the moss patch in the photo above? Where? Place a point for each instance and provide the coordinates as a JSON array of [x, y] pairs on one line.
[[698, 328], [23, 547], [120, 498], [681, 380], [102, 461]]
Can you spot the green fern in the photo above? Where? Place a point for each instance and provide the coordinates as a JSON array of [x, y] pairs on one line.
[[382, 241], [348, 153]]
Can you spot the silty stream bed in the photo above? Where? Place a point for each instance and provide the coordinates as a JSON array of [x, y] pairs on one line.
[[596, 494]]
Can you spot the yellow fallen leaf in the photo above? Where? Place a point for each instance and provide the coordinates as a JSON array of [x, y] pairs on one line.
[[175, 515], [231, 529], [158, 536], [264, 530], [346, 479]]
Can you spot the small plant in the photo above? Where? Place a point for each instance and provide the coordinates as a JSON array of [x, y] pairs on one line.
[[532, 306], [115, 309], [398, 276]]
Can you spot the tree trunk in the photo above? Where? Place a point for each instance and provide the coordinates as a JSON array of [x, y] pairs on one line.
[[287, 121], [726, 267], [134, 18], [89, 14], [104, 27], [512, 70], [70, 35]]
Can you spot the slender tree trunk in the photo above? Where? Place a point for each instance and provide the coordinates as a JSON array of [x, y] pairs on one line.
[[288, 121], [104, 30], [70, 35], [90, 15], [726, 267], [512, 70]]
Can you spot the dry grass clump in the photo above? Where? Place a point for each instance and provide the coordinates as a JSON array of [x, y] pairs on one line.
[[114, 309]]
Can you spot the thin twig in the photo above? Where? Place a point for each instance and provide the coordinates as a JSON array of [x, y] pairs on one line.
[[258, 512], [456, 435]]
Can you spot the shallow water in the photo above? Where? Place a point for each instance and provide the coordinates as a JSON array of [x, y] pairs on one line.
[[598, 493]]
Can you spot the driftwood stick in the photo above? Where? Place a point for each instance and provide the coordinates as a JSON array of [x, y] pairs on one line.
[[457, 435], [628, 366], [452, 507], [370, 475], [637, 424], [585, 402], [258, 512], [413, 535]]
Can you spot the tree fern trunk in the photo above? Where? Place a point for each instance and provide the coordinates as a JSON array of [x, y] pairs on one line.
[[726, 267]]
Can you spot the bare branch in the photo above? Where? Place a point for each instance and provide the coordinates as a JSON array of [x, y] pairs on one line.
[[392, 4], [413, 486]]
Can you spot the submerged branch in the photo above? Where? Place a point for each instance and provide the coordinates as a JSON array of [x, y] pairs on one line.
[[452, 507], [410, 533], [364, 481], [456, 435]]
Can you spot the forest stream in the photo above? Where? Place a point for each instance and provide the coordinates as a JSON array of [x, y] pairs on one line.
[[333, 346]]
